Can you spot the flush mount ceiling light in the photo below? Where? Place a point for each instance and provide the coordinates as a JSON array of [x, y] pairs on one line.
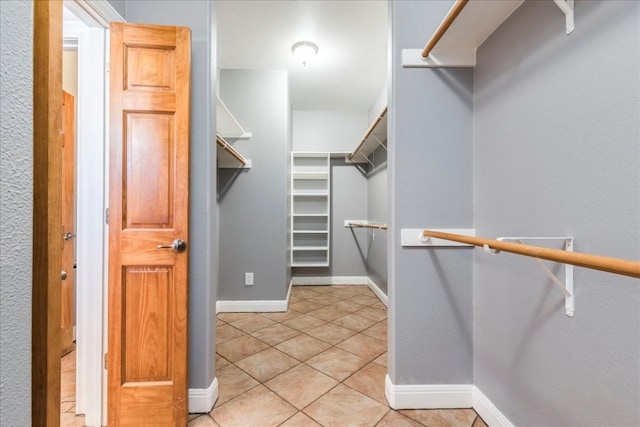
[[304, 51]]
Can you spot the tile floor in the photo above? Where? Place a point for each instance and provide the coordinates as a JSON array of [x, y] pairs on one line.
[[321, 363]]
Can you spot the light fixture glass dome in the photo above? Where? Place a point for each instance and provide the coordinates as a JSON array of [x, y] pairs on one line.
[[304, 51]]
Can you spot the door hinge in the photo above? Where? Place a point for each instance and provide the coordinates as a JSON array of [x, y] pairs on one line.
[[105, 361], [106, 216]]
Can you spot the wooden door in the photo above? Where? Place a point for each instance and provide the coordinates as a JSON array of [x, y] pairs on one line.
[[68, 224], [148, 203]]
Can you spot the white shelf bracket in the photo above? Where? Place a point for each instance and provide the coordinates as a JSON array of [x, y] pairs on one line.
[[367, 159], [567, 286], [380, 143], [566, 6]]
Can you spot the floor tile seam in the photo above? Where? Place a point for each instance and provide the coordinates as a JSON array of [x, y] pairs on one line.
[[269, 379], [210, 413], [368, 360]]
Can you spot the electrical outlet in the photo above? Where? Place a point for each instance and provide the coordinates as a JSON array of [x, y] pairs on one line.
[[248, 279]]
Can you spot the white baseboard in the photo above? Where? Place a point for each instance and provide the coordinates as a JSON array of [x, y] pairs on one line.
[[488, 411], [201, 400], [263, 306], [428, 396], [441, 396], [330, 280], [376, 290]]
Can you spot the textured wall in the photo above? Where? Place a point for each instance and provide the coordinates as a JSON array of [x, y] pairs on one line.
[[253, 202], [430, 178], [203, 236], [16, 193], [557, 152]]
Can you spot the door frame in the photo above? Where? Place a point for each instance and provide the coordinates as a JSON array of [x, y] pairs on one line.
[[47, 106]]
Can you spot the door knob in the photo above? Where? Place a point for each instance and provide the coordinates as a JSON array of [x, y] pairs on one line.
[[68, 235], [178, 246], [63, 275]]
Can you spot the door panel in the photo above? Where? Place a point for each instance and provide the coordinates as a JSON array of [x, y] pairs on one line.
[[148, 205], [68, 207]]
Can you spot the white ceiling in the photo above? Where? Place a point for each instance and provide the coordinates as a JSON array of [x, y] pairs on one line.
[[350, 68]]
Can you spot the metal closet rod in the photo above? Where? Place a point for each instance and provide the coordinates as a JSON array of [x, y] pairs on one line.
[[444, 26], [222, 143], [375, 226], [596, 262], [367, 133]]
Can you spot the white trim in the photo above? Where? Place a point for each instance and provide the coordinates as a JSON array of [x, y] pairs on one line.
[[376, 290], [428, 396], [90, 229], [490, 414], [263, 306], [94, 13], [329, 280], [201, 400], [440, 396]]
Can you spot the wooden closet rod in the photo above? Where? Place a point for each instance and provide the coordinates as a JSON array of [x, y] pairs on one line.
[[444, 26], [222, 143], [367, 133], [376, 226], [596, 262]]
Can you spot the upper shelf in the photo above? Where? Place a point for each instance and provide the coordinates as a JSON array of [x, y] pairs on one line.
[[467, 25], [228, 157], [227, 125], [374, 137]]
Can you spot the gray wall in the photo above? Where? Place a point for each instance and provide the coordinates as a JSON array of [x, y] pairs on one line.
[[334, 131], [430, 178], [378, 211], [200, 17], [16, 194], [253, 202], [557, 152]]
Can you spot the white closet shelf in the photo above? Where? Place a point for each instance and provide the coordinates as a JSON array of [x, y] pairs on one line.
[[228, 157], [462, 35], [227, 125], [310, 175], [374, 137], [310, 231]]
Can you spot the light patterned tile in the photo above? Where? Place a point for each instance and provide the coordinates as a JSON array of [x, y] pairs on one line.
[[257, 407], [354, 322], [327, 313], [395, 419], [221, 362], [306, 306], [479, 422], [202, 421], [232, 382], [370, 382], [232, 317], [382, 360], [333, 334], [364, 299], [280, 316], [372, 313], [304, 322], [251, 324], [304, 293], [301, 385], [241, 347], [364, 346], [322, 289], [442, 417], [348, 306], [300, 420], [71, 420], [226, 332], [344, 406], [325, 300], [379, 330], [266, 364], [275, 334], [302, 347], [336, 363]]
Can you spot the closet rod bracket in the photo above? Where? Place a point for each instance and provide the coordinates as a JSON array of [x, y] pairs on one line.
[[567, 286], [567, 6]]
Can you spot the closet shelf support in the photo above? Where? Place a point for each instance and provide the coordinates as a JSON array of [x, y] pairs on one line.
[[567, 286], [567, 6]]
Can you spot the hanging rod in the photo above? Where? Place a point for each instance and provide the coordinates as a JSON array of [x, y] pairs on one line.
[[354, 224], [444, 26], [596, 262], [368, 132], [225, 145]]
